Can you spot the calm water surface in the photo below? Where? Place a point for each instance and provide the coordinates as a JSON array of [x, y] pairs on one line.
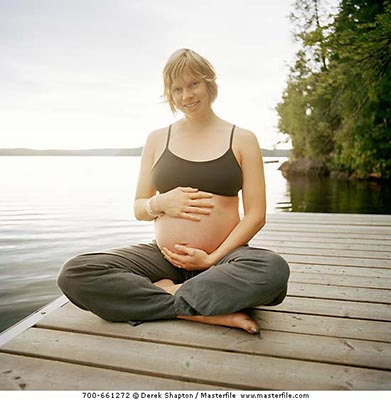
[[52, 208]]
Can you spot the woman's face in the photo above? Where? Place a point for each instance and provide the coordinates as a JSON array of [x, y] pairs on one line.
[[190, 94]]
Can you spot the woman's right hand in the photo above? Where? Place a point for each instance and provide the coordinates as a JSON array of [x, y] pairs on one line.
[[185, 202]]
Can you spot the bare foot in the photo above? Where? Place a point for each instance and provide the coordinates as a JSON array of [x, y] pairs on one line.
[[235, 320], [164, 283], [168, 285], [172, 289]]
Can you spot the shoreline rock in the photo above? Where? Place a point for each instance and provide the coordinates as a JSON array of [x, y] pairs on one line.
[[303, 167], [318, 168]]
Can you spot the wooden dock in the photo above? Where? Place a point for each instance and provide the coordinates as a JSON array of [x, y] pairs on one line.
[[332, 332]]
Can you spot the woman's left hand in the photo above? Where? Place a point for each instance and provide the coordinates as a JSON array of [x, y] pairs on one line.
[[189, 259]]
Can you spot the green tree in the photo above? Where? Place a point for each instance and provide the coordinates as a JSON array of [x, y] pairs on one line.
[[361, 46], [337, 103], [293, 107], [304, 110]]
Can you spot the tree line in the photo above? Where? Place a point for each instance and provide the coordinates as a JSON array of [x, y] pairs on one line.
[[336, 106]]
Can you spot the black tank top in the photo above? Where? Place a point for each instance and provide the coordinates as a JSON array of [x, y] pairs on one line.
[[222, 176]]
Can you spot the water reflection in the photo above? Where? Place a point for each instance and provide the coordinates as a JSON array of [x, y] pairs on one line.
[[330, 195]]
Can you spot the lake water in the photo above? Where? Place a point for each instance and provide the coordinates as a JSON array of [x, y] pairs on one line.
[[52, 208]]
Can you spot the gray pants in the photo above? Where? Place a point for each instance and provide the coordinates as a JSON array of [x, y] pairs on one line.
[[117, 284]]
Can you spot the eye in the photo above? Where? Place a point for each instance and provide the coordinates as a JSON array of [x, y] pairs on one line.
[[196, 83]]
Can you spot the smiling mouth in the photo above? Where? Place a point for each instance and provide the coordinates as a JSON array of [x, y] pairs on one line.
[[192, 105]]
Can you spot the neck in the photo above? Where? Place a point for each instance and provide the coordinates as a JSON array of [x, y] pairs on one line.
[[197, 122]]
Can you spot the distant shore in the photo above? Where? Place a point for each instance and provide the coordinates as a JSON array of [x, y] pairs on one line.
[[106, 152], [77, 153], [316, 168]]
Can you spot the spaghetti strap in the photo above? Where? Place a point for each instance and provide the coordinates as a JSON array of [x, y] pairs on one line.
[[168, 136], [232, 135]]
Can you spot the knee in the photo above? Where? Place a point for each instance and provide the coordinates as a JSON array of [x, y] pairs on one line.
[[278, 270], [269, 270], [68, 273], [271, 278]]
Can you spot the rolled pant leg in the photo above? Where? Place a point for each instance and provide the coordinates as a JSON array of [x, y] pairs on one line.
[[245, 277], [117, 284]]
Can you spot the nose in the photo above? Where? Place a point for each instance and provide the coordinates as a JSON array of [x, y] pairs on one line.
[[187, 93]]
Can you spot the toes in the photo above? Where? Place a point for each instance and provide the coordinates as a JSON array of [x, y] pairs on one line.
[[252, 330], [252, 327], [245, 322]]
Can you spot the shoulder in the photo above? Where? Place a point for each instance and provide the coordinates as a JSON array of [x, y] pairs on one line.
[[245, 140], [245, 145], [156, 138], [244, 134], [241, 135], [157, 134], [155, 143]]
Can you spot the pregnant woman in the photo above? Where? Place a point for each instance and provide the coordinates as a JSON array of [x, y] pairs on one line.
[[200, 266]]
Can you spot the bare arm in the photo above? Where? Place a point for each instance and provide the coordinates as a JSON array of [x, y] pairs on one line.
[[253, 194], [145, 188]]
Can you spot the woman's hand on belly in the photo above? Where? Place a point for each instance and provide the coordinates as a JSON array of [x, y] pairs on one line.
[[185, 202], [206, 234], [188, 258]]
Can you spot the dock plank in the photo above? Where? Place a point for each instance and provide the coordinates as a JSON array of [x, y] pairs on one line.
[[334, 308], [350, 219], [378, 273], [343, 261], [327, 251], [73, 319], [318, 234], [29, 373], [347, 328], [366, 230], [332, 332], [319, 291], [343, 217], [338, 280], [278, 344], [315, 243], [195, 364]]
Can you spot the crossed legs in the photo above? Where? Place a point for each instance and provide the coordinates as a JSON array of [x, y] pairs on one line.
[[137, 284]]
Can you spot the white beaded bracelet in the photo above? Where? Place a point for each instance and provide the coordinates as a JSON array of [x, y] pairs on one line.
[[149, 210]]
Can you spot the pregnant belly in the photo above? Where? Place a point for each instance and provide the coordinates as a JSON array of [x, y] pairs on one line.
[[206, 234]]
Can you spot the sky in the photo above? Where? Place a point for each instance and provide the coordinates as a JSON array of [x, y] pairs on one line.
[[88, 74]]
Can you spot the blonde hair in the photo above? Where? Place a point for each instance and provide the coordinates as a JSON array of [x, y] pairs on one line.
[[188, 60]]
